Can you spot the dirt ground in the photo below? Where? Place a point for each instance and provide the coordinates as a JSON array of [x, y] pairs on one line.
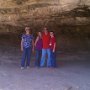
[[73, 72]]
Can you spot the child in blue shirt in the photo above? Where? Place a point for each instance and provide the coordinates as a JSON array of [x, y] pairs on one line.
[[27, 45]]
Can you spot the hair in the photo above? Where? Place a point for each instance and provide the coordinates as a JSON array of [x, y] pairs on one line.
[[30, 30], [53, 32], [39, 31], [45, 27]]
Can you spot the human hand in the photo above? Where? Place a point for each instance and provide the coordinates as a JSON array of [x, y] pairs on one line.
[[21, 49], [53, 50], [33, 50]]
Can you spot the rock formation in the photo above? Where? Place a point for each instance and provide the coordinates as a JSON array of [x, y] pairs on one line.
[[70, 19], [56, 14]]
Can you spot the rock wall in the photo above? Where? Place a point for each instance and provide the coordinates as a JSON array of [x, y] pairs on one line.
[[70, 19], [56, 14]]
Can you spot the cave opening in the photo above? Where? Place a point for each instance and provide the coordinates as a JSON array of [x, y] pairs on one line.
[[70, 20]]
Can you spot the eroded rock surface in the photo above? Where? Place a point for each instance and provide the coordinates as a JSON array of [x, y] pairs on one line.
[[15, 14]]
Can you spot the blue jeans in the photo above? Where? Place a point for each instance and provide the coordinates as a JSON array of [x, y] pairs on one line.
[[38, 57], [53, 59], [43, 58], [26, 56]]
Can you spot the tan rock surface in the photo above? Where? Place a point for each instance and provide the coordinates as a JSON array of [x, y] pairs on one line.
[[38, 13]]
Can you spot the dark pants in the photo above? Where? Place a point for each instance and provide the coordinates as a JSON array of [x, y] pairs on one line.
[[53, 59], [38, 57], [26, 56]]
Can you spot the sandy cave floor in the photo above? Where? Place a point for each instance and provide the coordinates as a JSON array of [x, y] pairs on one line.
[[73, 72]]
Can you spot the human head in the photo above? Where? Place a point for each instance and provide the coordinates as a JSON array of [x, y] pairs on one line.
[[51, 33], [27, 29], [39, 33], [45, 30]]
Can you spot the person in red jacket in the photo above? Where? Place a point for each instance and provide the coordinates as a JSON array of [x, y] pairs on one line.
[[53, 49], [46, 48]]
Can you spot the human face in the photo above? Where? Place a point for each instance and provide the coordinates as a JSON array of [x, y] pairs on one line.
[[45, 30], [51, 34], [27, 30], [39, 34]]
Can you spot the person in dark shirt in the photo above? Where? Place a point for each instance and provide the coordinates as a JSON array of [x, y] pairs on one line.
[[38, 48]]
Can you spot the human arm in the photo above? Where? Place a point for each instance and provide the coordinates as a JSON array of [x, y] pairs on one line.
[[54, 48], [22, 45], [33, 45], [36, 41]]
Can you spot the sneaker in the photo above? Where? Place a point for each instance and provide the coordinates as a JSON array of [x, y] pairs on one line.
[[22, 68]]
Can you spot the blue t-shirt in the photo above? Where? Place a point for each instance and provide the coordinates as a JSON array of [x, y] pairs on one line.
[[27, 40]]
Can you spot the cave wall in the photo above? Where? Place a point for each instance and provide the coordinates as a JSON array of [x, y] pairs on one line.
[[70, 19], [15, 14]]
